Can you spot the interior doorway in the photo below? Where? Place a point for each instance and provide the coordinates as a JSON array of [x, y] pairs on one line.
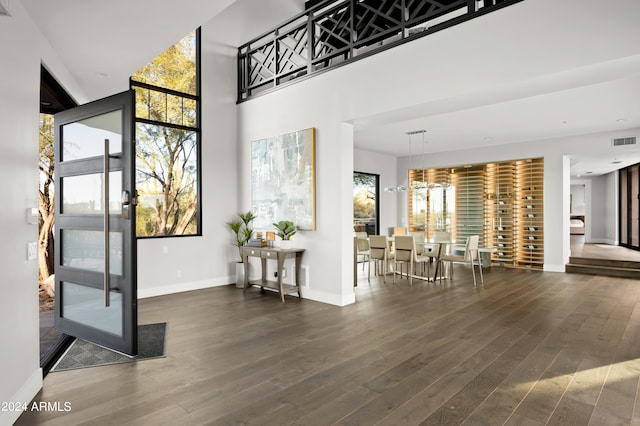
[[53, 99]]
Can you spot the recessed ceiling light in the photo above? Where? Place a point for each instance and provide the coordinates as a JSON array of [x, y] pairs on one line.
[[621, 120], [578, 175], [589, 173], [563, 122], [102, 74], [616, 162]]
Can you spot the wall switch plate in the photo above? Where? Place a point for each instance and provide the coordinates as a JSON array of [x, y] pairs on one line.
[[32, 250], [32, 215]]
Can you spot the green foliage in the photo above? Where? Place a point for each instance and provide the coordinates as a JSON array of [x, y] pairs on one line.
[[242, 230], [364, 179], [286, 229], [175, 68]]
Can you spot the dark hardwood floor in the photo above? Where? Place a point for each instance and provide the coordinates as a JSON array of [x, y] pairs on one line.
[[527, 348]]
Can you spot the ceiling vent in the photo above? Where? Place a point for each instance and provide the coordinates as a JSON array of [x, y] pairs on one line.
[[5, 7], [631, 140]]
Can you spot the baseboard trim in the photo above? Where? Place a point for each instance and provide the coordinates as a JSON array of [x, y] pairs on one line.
[[553, 268], [331, 299], [144, 293], [25, 395]]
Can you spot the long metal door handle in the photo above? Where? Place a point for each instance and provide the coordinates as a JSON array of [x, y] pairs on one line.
[[105, 197]]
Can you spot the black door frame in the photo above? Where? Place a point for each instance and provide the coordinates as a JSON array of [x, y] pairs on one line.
[[126, 284]]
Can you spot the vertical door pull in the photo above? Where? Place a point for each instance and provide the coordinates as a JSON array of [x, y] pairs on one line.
[[105, 197]]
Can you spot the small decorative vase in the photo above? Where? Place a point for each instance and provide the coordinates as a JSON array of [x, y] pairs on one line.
[[285, 244]]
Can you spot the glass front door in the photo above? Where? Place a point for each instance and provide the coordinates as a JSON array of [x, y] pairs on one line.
[[96, 296]]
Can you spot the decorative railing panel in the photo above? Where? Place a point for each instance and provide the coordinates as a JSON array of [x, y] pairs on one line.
[[335, 32]]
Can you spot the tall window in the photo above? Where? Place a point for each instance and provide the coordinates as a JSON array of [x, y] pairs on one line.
[[168, 141], [365, 203]]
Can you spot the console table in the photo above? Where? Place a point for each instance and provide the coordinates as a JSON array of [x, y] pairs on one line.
[[278, 254]]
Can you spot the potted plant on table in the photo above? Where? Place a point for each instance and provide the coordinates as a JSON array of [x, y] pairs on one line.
[[285, 230], [242, 232]]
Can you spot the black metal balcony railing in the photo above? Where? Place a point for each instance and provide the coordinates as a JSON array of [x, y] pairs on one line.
[[335, 32]]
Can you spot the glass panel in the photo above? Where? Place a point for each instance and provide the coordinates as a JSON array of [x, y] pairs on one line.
[[166, 181], [86, 306], [419, 208], [441, 207], [85, 250], [142, 103], [83, 194], [85, 138], [174, 109], [365, 198], [157, 106], [175, 68], [189, 118]]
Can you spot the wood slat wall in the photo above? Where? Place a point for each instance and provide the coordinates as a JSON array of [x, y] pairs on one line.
[[501, 202]]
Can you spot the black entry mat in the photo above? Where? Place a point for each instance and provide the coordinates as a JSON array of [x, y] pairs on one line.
[[82, 354]]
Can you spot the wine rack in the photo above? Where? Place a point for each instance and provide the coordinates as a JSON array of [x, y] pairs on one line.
[[499, 211], [530, 211]]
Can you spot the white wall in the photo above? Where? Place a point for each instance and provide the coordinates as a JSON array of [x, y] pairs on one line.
[[612, 208], [385, 166], [577, 199], [598, 210], [329, 248], [22, 50]]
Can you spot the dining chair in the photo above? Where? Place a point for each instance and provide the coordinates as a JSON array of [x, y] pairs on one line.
[[444, 239], [399, 230], [405, 254], [379, 252], [364, 249], [418, 238], [470, 256]]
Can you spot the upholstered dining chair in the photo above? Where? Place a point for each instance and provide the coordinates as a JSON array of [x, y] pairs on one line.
[[418, 238], [471, 256], [444, 239], [405, 254], [379, 252], [364, 249], [399, 230]]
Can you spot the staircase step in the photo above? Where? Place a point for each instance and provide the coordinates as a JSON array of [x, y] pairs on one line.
[[627, 264], [603, 270]]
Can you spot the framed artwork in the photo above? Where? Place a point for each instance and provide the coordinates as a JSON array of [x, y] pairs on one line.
[[283, 179]]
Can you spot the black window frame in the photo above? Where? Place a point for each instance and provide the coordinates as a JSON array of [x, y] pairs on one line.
[[197, 130]]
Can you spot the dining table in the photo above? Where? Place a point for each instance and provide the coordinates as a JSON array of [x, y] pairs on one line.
[[440, 245]]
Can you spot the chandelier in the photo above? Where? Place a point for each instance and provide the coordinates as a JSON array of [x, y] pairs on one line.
[[402, 188]]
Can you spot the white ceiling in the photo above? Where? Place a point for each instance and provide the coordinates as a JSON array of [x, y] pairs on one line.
[[102, 43]]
